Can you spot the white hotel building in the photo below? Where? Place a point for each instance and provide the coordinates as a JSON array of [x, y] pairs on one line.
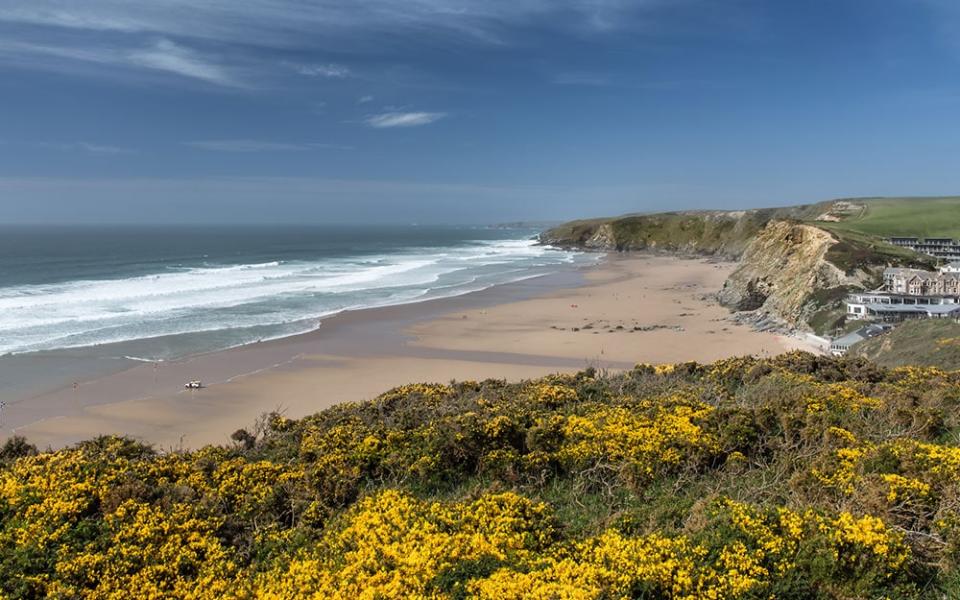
[[909, 294]]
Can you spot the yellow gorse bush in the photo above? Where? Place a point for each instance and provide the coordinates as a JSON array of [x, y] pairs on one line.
[[789, 477], [396, 546], [614, 566], [618, 435]]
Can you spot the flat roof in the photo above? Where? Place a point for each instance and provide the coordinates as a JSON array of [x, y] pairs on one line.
[[940, 309], [904, 296], [864, 333], [848, 340]]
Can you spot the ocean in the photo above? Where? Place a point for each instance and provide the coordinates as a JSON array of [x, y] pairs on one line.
[[163, 293]]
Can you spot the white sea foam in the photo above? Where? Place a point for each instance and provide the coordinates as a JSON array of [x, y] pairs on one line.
[[142, 359], [253, 297]]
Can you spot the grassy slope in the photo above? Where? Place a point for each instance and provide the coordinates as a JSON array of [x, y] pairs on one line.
[[921, 217], [855, 250], [699, 232], [934, 343]]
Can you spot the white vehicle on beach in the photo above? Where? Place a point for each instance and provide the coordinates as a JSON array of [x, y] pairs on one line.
[[196, 384]]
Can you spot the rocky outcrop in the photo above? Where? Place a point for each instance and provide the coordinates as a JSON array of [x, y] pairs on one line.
[[781, 272], [601, 239]]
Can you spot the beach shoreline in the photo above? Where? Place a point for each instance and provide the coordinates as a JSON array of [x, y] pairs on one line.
[[611, 315]]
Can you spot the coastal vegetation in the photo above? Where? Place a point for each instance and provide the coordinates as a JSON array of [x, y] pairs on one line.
[[700, 232], [927, 342], [792, 477]]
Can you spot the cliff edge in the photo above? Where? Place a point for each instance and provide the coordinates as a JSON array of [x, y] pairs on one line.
[[796, 264]]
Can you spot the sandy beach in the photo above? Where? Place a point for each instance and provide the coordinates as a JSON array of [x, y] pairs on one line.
[[624, 310]]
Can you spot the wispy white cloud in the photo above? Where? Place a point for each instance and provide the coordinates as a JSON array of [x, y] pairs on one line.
[[17, 50], [84, 147], [167, 56], [279, 21], [243, 146], [364, 99], [329, 70], [161, 55], [403, 119], [230, 44]]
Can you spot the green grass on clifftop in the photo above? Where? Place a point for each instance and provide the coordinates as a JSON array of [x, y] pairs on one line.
[[920, 217]]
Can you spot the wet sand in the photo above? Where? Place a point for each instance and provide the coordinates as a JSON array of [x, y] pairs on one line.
[[622, 311]]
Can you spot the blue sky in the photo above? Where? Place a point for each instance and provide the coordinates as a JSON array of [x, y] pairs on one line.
[[468, 111]]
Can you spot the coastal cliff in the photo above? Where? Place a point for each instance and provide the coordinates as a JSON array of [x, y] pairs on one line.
[[720, 233], [796, 264], [785, 274], [784, 261], [799, 273]]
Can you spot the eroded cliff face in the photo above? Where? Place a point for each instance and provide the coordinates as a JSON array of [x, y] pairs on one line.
[[781, 272], [602, 239]]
